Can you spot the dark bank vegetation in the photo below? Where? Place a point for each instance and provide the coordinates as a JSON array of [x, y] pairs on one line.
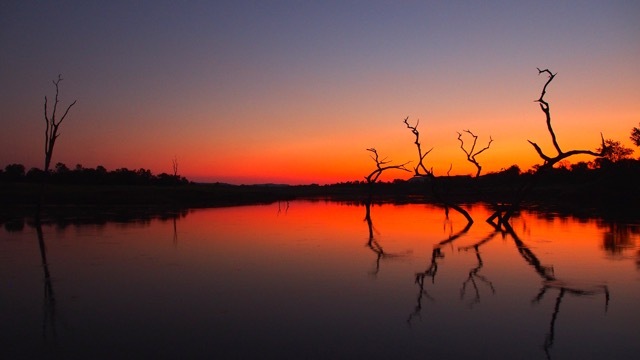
[[594, 184], [607, 184]]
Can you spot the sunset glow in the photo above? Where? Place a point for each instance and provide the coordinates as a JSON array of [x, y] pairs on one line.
[[295, 92]]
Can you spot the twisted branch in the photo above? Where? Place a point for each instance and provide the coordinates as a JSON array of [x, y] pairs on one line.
[[549, 161], [421, 156], [375, 174], [471, 156]]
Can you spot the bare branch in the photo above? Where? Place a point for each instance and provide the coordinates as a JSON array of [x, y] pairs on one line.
[[174, 162], [51, 125], [417, 169], [375, 174], [471, 155], [549, 161]]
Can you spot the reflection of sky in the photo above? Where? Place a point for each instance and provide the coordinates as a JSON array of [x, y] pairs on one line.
[[254, 281], [296, 91]]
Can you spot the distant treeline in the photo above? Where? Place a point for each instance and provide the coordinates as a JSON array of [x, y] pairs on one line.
[[600, 184], [80, 175]]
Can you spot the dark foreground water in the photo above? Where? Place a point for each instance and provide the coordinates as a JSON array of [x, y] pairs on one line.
[[316, 281]]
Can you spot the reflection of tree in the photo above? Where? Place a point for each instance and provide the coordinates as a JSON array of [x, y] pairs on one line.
[[618, 238], [473, 273], [566, 289], [175, 231], [49, 317], [551, 282], [372, 243], [283, 207], [432, 269]]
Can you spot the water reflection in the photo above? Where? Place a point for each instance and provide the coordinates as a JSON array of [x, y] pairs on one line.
[[550, 281], [618, 238], [474, 277], [373, 244], [432, 268], [287, 281], [49, 314]]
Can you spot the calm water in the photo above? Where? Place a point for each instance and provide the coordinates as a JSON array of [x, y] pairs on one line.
[[310, 280]]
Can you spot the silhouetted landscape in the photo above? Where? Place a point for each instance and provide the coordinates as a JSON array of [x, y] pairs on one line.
[[319, 180], [610, 186]]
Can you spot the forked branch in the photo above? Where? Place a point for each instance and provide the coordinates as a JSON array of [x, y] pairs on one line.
[[471, 155], [549, 161], [51, 129], [380, 167], [420, 169]]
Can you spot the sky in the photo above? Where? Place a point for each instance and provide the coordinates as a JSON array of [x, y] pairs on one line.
[[294, 92]]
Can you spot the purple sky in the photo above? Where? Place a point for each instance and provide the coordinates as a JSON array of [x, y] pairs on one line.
[[291, 90]]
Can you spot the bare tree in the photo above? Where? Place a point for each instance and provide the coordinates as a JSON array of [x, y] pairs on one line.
[[471, 155], [549, 161], [421, 170], [174, 163], [52, 125], [503, 214], [381, 166]]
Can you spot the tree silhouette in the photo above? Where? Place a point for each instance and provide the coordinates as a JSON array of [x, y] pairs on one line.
[[420, 170], [381, 166], [614, 151], [53, 124], [504, 213], [471, 155], [635, 135], [549, 161], [174, 163]]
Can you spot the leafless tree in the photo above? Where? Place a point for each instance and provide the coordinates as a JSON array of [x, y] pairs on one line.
[[471, 155], [420, 170], [53, 124], [549, 161], [504, 213], [381, 166], [174, 163]]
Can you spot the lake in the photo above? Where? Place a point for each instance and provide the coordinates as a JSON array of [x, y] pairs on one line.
[[320, 280]]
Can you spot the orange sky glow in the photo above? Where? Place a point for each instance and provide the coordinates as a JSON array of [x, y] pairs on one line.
[[295, 93]]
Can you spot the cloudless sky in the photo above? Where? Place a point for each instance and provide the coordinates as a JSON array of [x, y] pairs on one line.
[[295, 91]]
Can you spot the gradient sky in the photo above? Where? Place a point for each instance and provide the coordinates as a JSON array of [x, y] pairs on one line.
[[295, 91]]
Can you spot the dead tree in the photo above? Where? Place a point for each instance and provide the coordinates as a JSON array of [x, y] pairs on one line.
[[174, 163], [549, 161], [420, 170], [381, 166], [471, 155], [52, 125], [504, 213]]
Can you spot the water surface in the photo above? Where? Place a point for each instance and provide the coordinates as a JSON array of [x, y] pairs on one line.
[[317, 280]]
